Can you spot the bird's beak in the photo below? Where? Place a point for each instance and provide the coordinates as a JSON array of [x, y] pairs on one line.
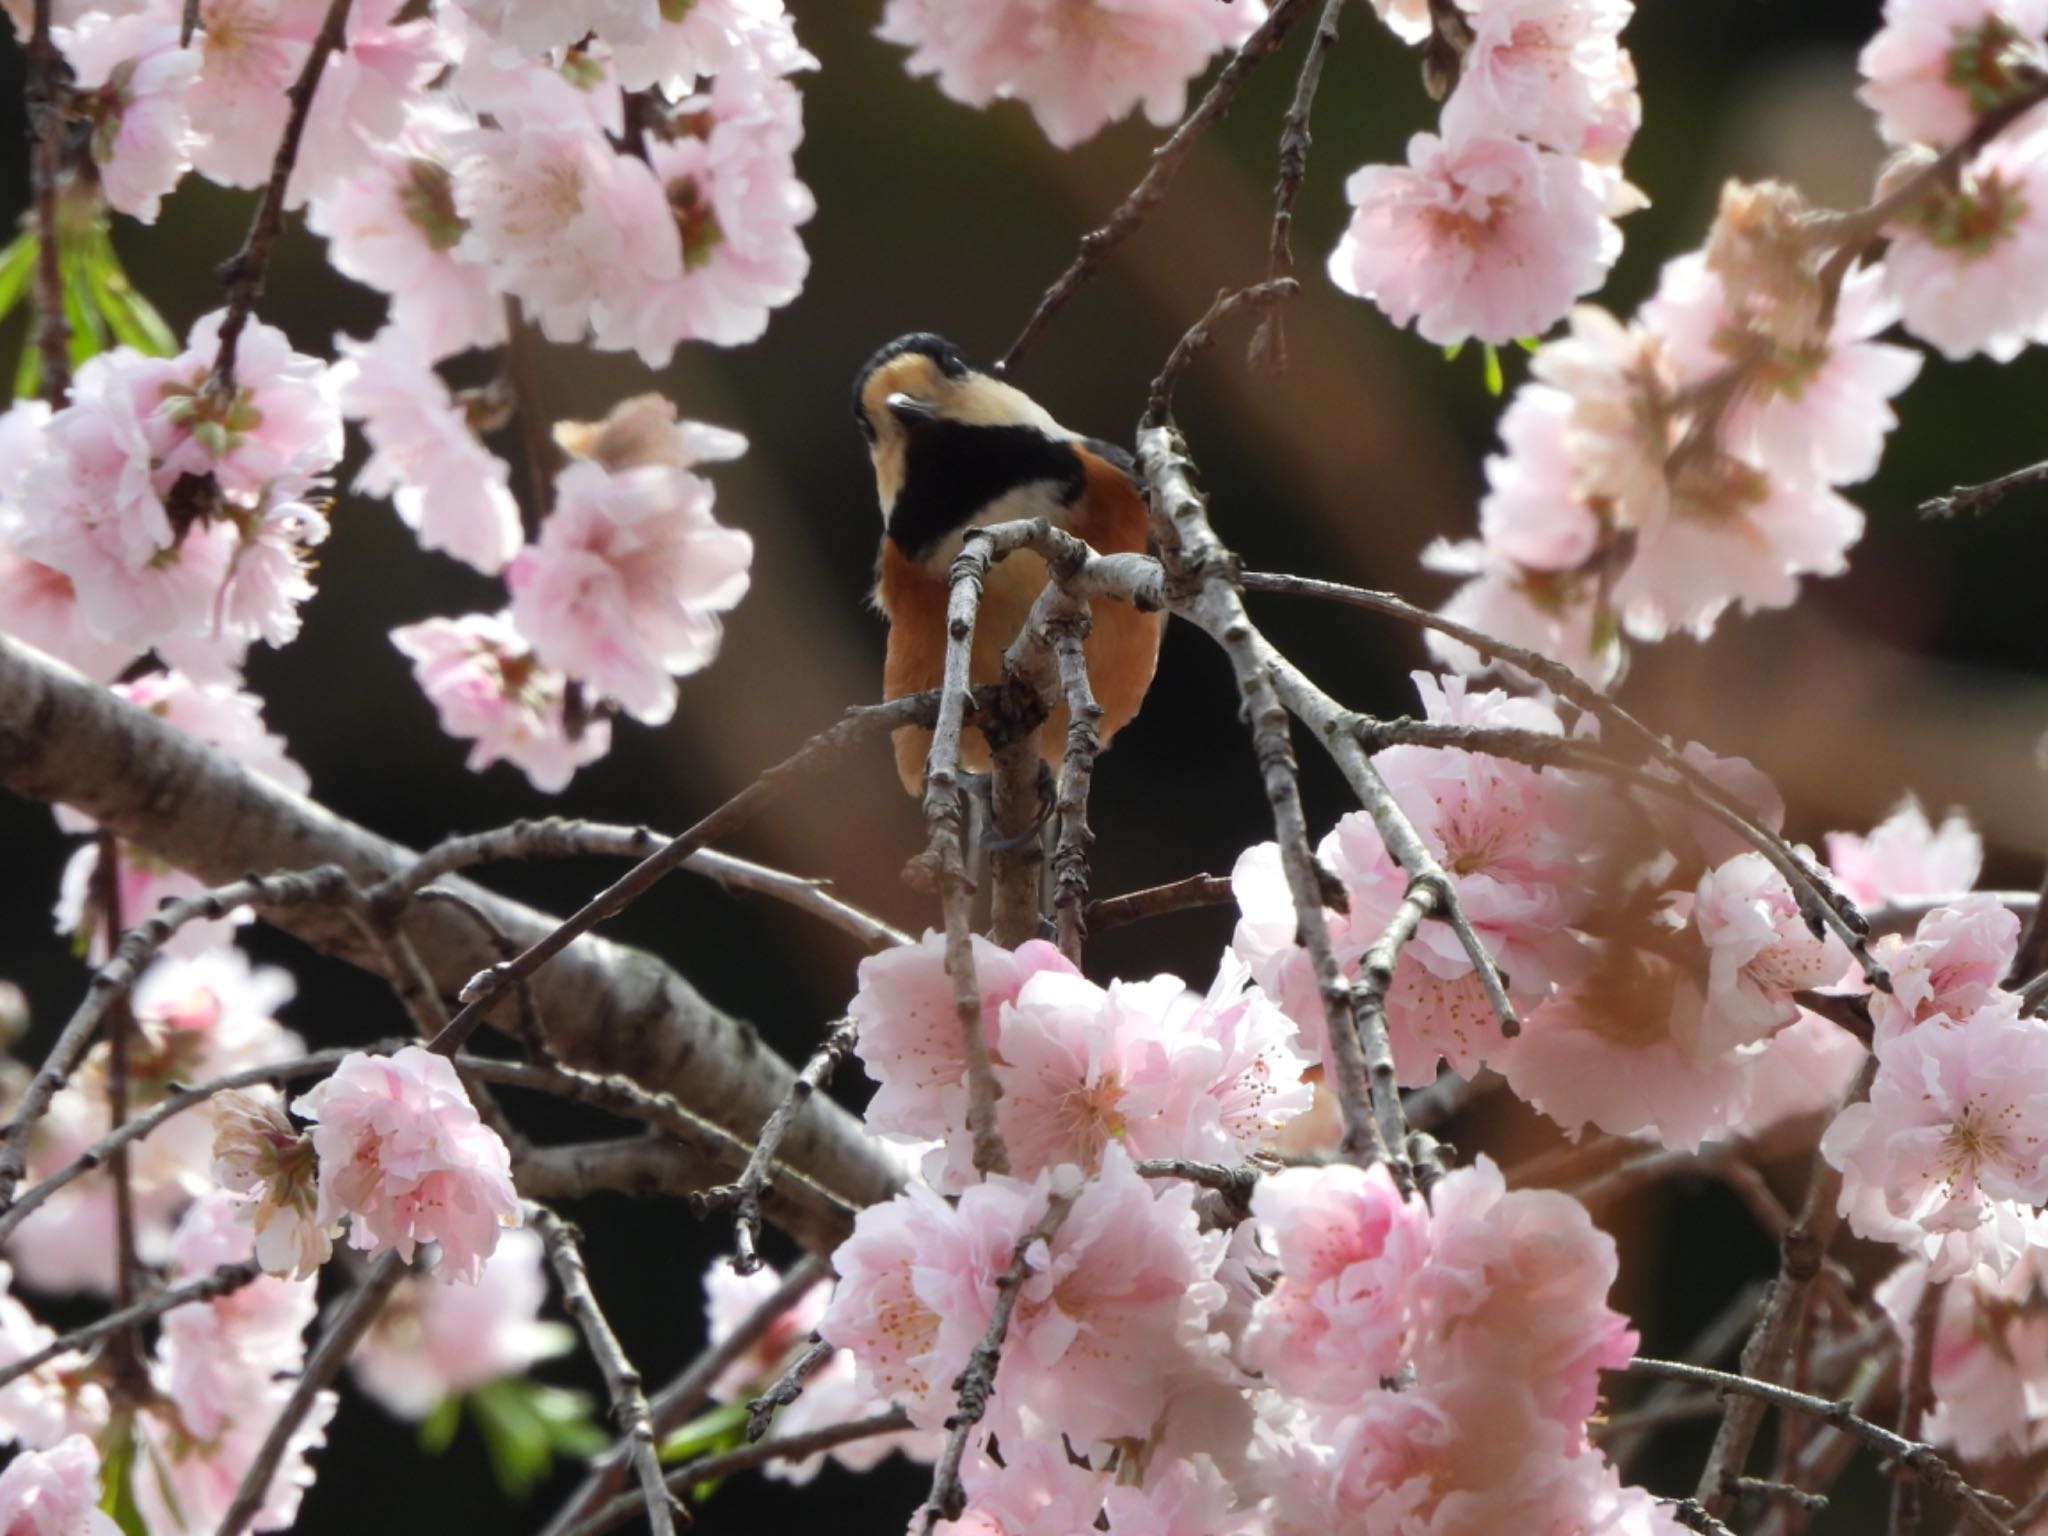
[[909, 409]]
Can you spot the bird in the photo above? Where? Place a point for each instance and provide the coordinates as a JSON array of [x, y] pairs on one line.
[[954, 448]]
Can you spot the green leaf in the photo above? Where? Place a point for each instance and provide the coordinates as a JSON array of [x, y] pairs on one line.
[[132, 318], [1451, 352], [1495, 380], [708, 1434], [117, 1480], [28, 369], [437, 1430], [526, 1425], [17, 262]]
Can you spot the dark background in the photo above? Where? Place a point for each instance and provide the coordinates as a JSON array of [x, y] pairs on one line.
[[1919, 670]]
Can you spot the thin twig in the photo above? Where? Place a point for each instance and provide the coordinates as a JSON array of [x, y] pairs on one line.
[[242, 273], [1152, 187], [208, 1287], [129, 1373], [681, 1398], [1986, 495], [1257, 297], [1802, 1252], [1269, 342], [1917, 1399], [1077, 773], [976, 1383], [1201, 573], [1921, 1460], [112, 982], [47, 93], [787, 1387], [352, 1319], [711, 1469], [1185, 895], [622, 1382], [744, 1198], [522, 374], [822, 750]]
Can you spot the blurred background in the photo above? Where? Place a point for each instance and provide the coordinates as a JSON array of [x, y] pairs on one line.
[[1921, 670]]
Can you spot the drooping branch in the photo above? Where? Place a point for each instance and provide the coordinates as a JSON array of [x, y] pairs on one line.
[[607, 1008], [47, 95], [1151, 189], [207, 1287], [1269, 341]]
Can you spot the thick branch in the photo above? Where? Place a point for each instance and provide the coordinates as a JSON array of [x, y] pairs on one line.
[[606, 1007]]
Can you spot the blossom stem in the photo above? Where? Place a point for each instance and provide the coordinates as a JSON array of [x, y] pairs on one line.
[[629, 1403], [242, 273], [48, 96]]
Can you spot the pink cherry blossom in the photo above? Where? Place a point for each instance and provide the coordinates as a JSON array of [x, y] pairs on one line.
[[393, 225], [404, 1156], [730, 183], [1617, 1050], [1532, 513], [1548, 612], [536, 26], [1478, 237], [1620, 435], [183, 1485], [1804, 1069], [707, 38], [1965, 264], [250, 52], [730, 1298], [1950, 968], [1816, 408], [560, 221], [365, 94], [917, 1282], [1187, 1498], [441, 479], [218, 1359], [626, 582], [1348, 1248], [1035, 1487], [1543, 70], [134, 79], [1734, 535], [1077, 64], [1936, 66], [1990, 1357], [57, 1399], [55, 1492], [281, 425], [433, 1342], [1905, 857], [39, 604], [256, 1151], [1115, 1316], [1759, 951], [1956, 1127], [486, 686], [1515, 1288]]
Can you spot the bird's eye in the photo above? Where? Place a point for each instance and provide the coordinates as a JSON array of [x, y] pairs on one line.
[[911, 410]]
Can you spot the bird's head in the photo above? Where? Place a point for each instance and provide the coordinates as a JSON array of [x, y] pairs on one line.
[[920, 387]]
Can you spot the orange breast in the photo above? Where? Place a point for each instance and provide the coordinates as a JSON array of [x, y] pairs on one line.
[[1122, 645]]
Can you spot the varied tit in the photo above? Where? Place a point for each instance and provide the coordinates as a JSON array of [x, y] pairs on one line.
[[954, 448]]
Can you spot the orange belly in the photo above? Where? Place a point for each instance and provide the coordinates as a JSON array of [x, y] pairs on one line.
[[1122, 645]]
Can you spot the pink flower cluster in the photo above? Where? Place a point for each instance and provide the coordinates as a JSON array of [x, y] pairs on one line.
[[1990, 1357], [153, 512], [1350, 1360], [1145, 1066], [1079, 65], [1439, 1362], [1496, 224], [620, 593], [55, 1492], [195, 1018], [225, 1370], [405, 1159], [1659, 472], [1965, 259]]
